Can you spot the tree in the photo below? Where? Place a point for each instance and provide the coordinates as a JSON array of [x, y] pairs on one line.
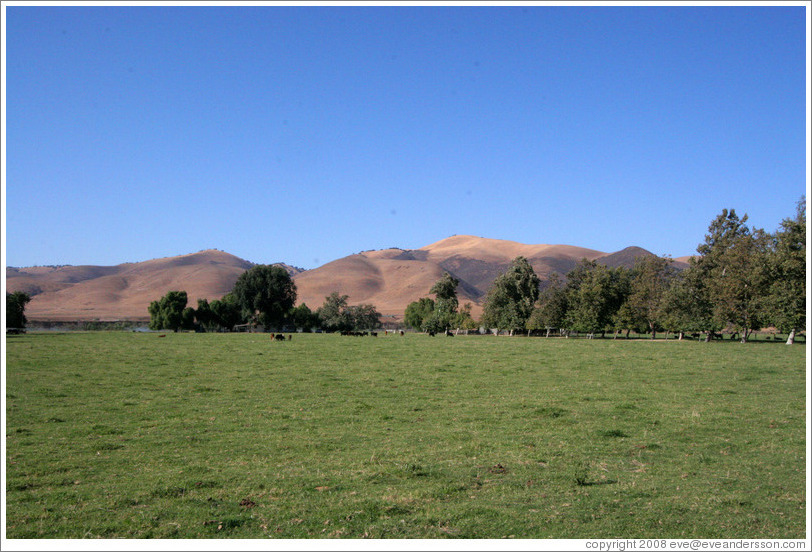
[[362, 317], [512, 297], [303, 317], [226, 312], [417, 312], [336, 315], [595, 293], [551, 309], [445, 290], [651, 278], [15, 309], [445, 305], [266, 294], [204, 315], [733, 262], [187, 319], [167, 312], [330, 313], [463, 319], [787, 265]]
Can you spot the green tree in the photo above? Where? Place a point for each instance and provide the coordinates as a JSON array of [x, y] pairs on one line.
[[226, 312], [15, 309], [330, 314], [595, 294], [551, 309], [167, 312], [204, 316], [187, 319], [303, 317], [733, 261], [417, 312], [512, 297], [463, 319], [337, 315], [266, 294], [787, 264], [445, 305], [362, 317], [686, 303], [445, 291], [650, 279]]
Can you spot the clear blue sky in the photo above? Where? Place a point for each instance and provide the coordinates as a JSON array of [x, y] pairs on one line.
[[304, 134]]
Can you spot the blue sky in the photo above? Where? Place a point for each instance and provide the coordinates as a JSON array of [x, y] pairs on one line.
[[304, 134]]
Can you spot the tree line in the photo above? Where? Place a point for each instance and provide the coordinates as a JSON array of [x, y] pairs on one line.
[[742, 280], [262, 296]]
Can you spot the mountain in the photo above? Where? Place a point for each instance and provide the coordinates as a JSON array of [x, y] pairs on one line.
[[392, 278], [389, 279], [123, 291]]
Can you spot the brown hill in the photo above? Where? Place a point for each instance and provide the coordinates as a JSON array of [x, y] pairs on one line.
[[123, 291], [389, 279]]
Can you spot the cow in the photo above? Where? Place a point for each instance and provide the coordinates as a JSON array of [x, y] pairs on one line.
[[279, 337]]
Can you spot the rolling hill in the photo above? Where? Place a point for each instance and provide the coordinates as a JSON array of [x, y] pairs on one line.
[[122, 292], [389, 279]]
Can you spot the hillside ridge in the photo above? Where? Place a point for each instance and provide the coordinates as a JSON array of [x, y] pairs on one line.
[[388, 278]]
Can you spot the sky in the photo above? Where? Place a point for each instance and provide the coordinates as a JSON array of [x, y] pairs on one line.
[[302, 134]]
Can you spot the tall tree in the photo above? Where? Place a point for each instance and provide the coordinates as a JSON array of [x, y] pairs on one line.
[[362, 317], [594, 294], [551, 309], [464, 319], [512, 297], [445, 305], [418, 311], [330, 313], [167, 312], [651, 278], [303, 317], [204, 315], [337, 315], [686, 303], [733, 260], [265, 294], [787, 293], [15, 309], [226, 312]]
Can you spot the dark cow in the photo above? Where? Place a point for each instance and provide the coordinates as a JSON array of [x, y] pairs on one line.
[[279, 337]]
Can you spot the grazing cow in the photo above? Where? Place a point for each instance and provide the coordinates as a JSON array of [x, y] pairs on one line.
[[374, 334], [290, 336], [401, 333], [279, 337]]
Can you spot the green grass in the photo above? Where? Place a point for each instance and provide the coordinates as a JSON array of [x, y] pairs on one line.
[[128, 435]]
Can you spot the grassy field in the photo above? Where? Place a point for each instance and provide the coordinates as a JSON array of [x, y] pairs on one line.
[[128, 435]]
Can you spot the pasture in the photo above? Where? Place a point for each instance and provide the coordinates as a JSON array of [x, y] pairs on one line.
[[128, 435]]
